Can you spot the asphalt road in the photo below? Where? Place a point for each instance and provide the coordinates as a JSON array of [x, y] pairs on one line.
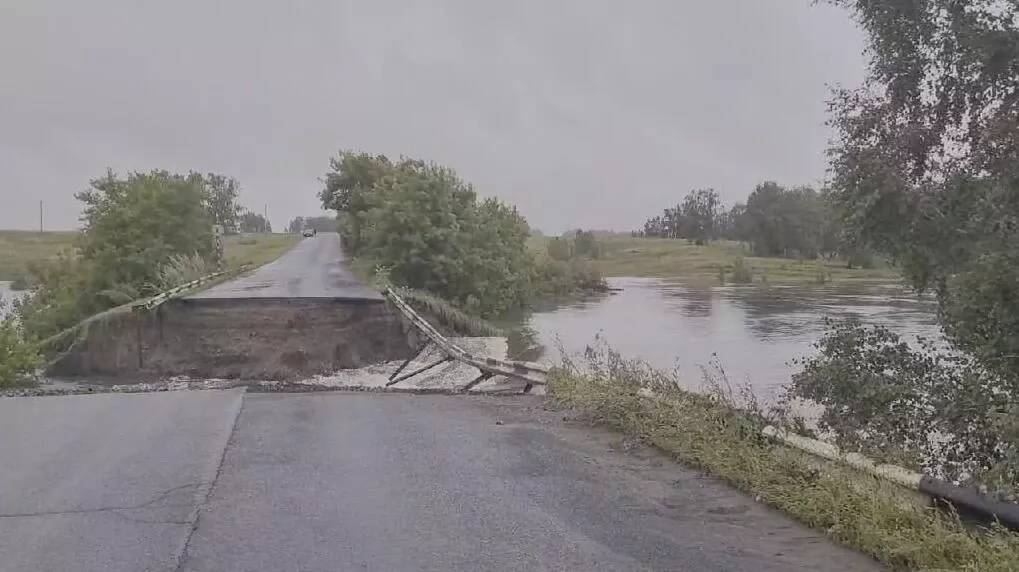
[[354, 481], [107, 482], [315, 268]]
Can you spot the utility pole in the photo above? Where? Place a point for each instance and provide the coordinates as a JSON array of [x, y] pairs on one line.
[[40, 217], [265, 217]]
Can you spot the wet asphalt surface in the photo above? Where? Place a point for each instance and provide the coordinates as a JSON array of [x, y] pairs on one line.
[[228, 481], [315, 268]]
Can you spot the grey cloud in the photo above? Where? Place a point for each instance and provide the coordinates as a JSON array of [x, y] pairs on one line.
[[592, 114]]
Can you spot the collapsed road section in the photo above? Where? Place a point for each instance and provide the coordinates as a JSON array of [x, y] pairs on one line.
[[303, 314]]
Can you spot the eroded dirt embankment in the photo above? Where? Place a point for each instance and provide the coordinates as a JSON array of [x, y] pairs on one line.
[[261, 338]]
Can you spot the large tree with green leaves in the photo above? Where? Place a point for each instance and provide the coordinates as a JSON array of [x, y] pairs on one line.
[[926, 160], [427, 228], [133, 225], [221, 199]]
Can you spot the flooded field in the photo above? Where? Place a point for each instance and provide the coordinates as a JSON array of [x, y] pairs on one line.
[[755, 332]]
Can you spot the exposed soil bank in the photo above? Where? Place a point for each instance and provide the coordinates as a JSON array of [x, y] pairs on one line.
[[263, 338]]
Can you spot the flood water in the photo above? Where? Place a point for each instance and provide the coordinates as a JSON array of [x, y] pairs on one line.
[[754, 331]]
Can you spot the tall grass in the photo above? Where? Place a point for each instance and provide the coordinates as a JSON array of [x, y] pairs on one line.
[[742, 271], [713, 431], [448, 315], [181, 269]]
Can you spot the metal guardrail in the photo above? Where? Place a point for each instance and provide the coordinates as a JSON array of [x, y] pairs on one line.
[[158, 299], [529, 372]]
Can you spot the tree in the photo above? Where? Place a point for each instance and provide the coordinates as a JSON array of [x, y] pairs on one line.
[[318, 223], [784, 222], [133, 225], [350, 189], [926, 161], [699, 213], [425, 226], [253, 222], [221, 199], [585, 244], [296, 224]]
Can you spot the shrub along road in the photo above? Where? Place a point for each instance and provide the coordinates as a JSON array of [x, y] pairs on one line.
[[222, 481]]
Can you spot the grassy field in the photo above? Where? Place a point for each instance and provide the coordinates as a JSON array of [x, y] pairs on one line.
[[19, 248], [670, 258], [256, 249]]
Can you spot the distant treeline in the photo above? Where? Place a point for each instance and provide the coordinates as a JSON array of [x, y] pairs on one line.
[[318, 223], [797, 222]]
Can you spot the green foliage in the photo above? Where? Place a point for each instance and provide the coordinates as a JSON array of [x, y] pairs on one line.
[[695, 219], [926, 160], [924, 407], [785, 222], [18, 358], [560, 248], [350, 190], [775, 221], [181, 269], [439, 311], [563, 278], [585, 244], [253, 222], [427, 228], [716, 433], [133, 225], [318, 223], [220, 199], [742, 271]]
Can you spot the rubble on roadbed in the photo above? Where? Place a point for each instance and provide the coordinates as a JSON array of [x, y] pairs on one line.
[[446, 377]]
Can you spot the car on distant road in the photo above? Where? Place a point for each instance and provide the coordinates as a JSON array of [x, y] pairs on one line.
[[308, 232]]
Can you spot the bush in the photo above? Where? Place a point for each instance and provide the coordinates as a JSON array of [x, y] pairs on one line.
[[560, 249], [562, 278], [133, 226], [427, 228], [181, 269], [935, 411], [585, 244], [742, 272]]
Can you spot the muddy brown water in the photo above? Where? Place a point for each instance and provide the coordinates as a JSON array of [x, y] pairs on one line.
[[754, 332]]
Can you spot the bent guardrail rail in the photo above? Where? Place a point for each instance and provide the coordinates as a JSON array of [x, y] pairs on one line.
[[154, 301], [528, 372]]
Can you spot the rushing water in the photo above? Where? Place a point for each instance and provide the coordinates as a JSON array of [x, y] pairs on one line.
[[754, 331]]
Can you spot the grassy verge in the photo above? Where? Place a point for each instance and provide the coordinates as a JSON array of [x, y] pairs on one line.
[[668, 258], [256, 249], [20, 247], [708, 432]]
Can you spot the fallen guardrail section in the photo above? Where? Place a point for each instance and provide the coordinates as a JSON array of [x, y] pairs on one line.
[[967, 501], [530, 373]]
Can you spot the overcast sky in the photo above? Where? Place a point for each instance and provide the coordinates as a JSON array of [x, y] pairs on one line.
[[590, 114]]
